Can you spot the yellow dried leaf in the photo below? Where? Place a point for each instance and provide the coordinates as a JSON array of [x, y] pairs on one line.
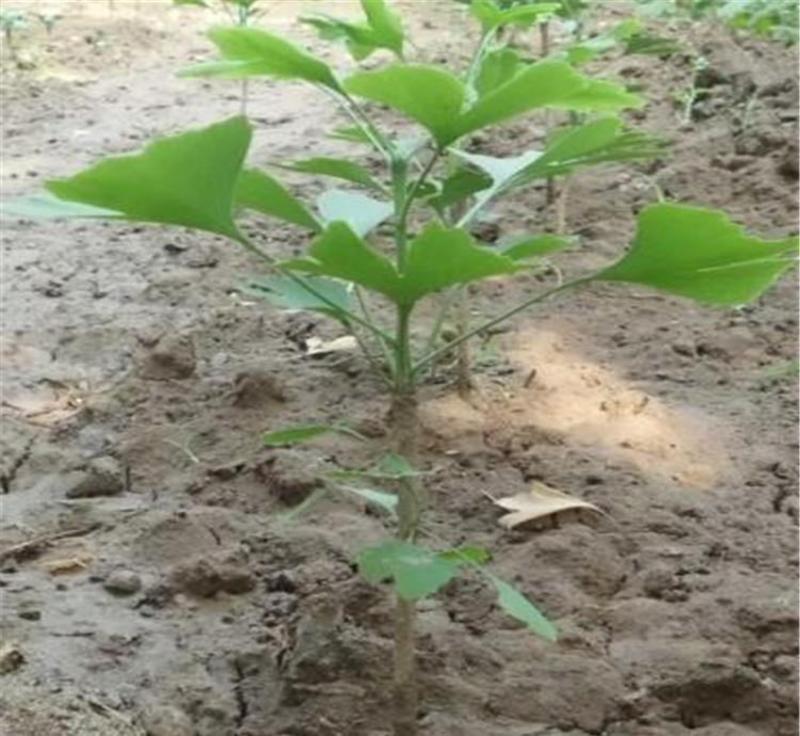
[[67, 565], [539, 502]]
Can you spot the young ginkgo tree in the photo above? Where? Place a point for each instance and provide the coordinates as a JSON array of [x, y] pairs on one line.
[[405, 237]]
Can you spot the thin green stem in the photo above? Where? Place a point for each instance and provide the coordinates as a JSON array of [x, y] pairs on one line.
[[404, 199], [365, 311], [419, 183], [380, 141], [399, 188], [477, 58], [359, 117], [422, 362], [444, 309], [375, 364], [473, 211], [404, 369]]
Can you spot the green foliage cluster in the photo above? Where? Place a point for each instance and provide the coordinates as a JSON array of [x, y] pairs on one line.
[[401, 235], [777, 19]]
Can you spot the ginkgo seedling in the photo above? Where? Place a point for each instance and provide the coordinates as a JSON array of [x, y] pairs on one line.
[[401, 237]]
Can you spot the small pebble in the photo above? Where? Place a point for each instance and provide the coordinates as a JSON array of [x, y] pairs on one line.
[[123, 582]]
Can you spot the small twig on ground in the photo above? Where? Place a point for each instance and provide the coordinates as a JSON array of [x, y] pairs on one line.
[[31, 546]]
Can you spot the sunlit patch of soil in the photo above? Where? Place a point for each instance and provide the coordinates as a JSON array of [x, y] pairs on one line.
[[564, 398]]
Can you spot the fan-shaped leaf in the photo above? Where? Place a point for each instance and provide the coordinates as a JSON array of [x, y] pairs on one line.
[[596, 142], [260, 192], [249, 52], [435, 98], [701, 254], [288, 294], [188, 179], [544, 84], [497, 68], [335, 167], [440, 257], [363, 214], [340, 253], [416, 572], [457, 187], [383, 30], [491, 16], [431, 96]]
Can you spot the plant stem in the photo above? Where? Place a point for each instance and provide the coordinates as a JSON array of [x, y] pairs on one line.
[[422, 362], [404, 423], [399, 168], [544, 32], [360, 117], [365, 311], [477, 58], [464, 382], [405, 686]]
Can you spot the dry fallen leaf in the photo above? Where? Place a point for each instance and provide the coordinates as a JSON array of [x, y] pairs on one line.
[[67, 565], [316, 346], [539, 502]]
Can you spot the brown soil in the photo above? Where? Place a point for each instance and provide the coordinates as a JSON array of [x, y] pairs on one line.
[[136, 381]]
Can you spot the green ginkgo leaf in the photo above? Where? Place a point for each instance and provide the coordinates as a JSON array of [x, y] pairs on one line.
[[460, 185], [491, 16], [339, 252], [467, 555], [260, 192], [287, 293], [553, 84], [188, 179], [701, 254], [49, 207], [440, 257], [305, 433], [416, 572], [249, 52], [337, 168], [537, 246], [436, 99], [497, 68], [596, 142], [363, 214], [519, 607], [383, 30], [431, 96]]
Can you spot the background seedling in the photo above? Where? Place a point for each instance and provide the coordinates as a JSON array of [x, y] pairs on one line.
[[12, 21], [49, 21], [408, 240], [240, 12], [777, 19]]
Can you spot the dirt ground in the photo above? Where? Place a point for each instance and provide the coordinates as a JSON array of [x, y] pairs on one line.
[[137, 378]]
